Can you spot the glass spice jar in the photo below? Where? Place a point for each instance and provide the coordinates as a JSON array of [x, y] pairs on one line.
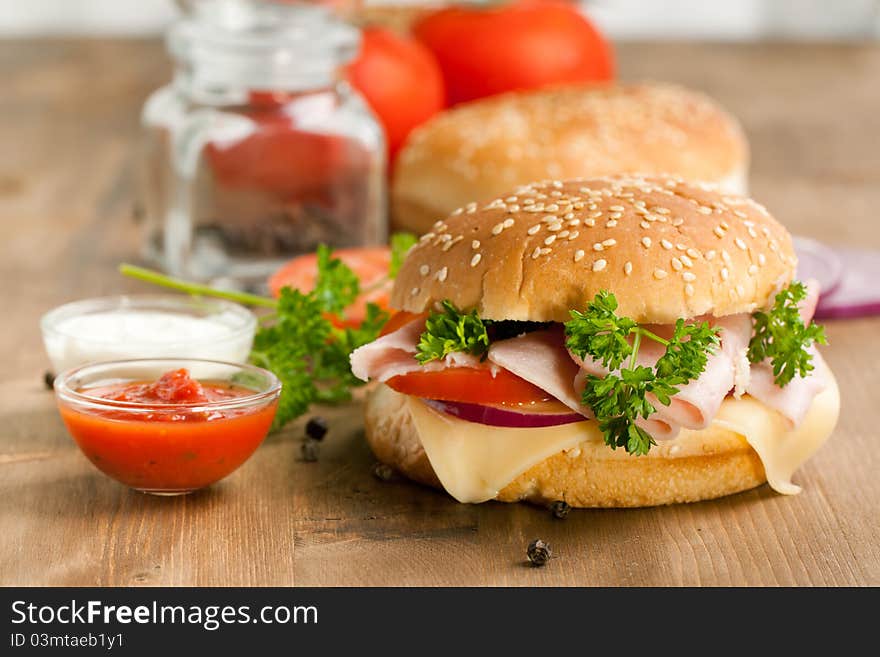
[[258, 150]]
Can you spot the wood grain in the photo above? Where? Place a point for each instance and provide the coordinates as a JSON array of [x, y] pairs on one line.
[[69, 127]]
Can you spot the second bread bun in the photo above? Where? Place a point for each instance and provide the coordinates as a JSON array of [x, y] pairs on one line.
[[483, 148]]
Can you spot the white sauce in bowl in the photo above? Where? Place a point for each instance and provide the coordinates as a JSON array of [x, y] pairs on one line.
[[117, 328]]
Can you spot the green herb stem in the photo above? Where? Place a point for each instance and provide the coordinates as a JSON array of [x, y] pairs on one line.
[[156, 278]]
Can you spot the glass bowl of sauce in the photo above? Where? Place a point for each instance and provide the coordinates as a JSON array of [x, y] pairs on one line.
[[167, 426]]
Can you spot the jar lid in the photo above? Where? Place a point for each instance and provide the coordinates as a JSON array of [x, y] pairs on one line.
[[261, 45]]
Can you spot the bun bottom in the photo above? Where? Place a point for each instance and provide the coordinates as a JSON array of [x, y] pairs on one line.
[[698, 465]]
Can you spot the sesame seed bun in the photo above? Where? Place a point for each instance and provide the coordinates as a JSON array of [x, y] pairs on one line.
[[668, 249], [481, 149]]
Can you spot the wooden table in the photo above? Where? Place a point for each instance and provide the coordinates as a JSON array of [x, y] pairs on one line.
[[68, 129]]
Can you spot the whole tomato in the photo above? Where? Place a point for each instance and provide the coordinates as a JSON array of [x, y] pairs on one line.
[[400, 80], [523, 45]]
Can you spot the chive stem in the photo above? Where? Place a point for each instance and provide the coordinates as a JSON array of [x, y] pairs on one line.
[[157, 278]]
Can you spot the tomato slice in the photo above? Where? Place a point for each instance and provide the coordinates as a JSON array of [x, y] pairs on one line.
[[370, 264], [399, 320], [469, 384]]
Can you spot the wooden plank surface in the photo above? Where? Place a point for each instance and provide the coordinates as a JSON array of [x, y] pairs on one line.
[[68, 130]]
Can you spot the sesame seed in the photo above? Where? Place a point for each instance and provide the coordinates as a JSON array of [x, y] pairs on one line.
[[660, 210], [666, 244], [693, 253], [738, 241], [676, 264], [596, 215], [549, 240], [689, 276], [508, 223], [616, 208], [552, 207], [599, 265], [752, 232], [660, 274], [739, 290], [448, 244], [773, 246], [426, 237], [753, 269], [611, 223], [710, 255], [609, 242], [550, 218], [740, 214], [678, 221], [475, 244], [545, 251], [762, 259], [680, 247], [627, 268], [725, 225], [646, 242], [456, 212], [510, 199], [441, 275], [424, 270], [574, 222], [719, 231], [569, 215], [513, 208], [725, 256], [578, 255], [615, 215], [704, 210], [554, 227], [598, 246], [724, 273], [413, 292], [528, 201], [590, 222], [644, 224], [572, 235], [476, 259], [687, 262], [689, 290], [536, 253], [534, 229], [497, 228]]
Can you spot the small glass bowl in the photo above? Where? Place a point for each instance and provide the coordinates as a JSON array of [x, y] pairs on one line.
[[70, 338], [167, 448]]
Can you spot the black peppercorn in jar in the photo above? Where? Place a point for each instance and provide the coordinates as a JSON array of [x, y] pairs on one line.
[[259, 150]]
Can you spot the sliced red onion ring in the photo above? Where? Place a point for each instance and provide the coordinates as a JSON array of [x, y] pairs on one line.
[[499, 417], [858, 292], [815, 260]]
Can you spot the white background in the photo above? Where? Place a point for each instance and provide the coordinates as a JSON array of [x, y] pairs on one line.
[[638, 19]]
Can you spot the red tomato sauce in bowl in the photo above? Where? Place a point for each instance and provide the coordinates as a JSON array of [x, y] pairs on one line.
[[172, 434]]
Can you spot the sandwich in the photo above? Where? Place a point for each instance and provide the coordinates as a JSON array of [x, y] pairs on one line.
[[487, 147], [609, 342]]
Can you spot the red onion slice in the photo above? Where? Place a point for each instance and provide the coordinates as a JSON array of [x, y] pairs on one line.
[[815, 260], [858, 293], [500, 417]]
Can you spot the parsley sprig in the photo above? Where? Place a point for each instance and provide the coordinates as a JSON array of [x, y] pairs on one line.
[[450, 331], [781, 335], [299, 341], [619, 399]]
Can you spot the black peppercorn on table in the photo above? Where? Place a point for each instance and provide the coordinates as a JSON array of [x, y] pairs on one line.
[[67, 171]]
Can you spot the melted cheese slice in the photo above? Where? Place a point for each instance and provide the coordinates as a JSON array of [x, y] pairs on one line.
[[782, 449], [474, 462]]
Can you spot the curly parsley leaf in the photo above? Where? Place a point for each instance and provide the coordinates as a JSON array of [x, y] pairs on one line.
[[450, 331], [599, 333], [620, 398], [337, 286], [401, 243], [781, 335]]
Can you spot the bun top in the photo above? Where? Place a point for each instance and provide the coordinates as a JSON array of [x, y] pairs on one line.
[[484, 148], [666, 248]]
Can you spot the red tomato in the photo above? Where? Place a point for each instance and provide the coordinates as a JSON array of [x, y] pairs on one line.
[[400, 80], [522, 45], [469, 384], [369, 264], [400, 319]]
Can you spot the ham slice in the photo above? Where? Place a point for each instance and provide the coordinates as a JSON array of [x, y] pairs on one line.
[[394, 355], [541, 359], [794, 400]]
